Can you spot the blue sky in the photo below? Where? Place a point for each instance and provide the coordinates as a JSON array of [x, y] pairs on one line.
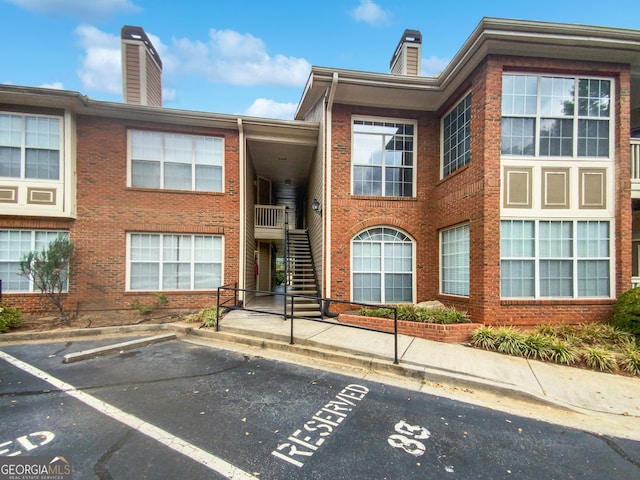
[[249, 57]]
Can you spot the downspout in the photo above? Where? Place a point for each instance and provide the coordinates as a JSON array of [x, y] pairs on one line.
[[326, 218], [243, 214]]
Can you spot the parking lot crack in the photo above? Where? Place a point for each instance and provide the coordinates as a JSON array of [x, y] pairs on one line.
[[100, 468]]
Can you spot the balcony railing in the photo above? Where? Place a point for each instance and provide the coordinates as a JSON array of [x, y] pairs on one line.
[[269, 221]]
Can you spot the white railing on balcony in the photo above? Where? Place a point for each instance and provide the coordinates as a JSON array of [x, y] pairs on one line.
[[635, 159], [269, 220], [635, 282]]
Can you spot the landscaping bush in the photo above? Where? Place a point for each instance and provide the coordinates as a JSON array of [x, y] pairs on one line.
[[626, 313], [9, 318], [208, 317], [411, 313]]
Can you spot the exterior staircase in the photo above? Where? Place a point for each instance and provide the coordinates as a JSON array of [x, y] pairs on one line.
[[302, 277]]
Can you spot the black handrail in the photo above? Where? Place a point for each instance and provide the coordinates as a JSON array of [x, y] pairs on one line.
[[292, 316]]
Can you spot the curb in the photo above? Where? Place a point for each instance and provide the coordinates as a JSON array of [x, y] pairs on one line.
[[117, 348], [276, 342]]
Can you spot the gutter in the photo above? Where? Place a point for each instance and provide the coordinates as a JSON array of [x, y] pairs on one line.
[[243, 213], [326, 218]]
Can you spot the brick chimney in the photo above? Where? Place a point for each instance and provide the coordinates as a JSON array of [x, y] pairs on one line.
[[141, 68], [406, 58]]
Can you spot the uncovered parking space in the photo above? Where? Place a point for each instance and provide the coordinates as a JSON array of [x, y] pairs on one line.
[[179, 410]]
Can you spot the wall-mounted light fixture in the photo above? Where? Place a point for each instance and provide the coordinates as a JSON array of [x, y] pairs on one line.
[[315, 206]]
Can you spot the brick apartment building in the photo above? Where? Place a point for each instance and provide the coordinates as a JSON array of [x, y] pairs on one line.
[[504, 186]]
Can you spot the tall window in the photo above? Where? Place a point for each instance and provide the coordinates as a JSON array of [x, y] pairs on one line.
[[547, 116], [176, 161], [454, 249], [382, 266], [456, 137], [14, 245], [29, 146], [558, 259], [383, 158], [175, 262]]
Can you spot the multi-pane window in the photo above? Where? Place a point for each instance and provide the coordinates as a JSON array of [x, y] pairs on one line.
[[382, 266], [176, 161], [30, 146], [174, 262], [548, 116], [456, 137], [454, 251], [14, 245], [555, 259], [383, 158]]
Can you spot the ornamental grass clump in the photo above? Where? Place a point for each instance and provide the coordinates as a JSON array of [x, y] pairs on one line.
[[598, 358], [484, 337], [630, 360], [563, 352], [510, 341], [537, 346], [208, 317]]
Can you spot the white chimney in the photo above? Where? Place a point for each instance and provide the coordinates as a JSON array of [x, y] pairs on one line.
[[141, 68]]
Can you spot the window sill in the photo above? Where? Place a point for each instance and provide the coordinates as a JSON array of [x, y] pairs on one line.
[[383, 199], [174, 192], [559, 301], [454, 173]]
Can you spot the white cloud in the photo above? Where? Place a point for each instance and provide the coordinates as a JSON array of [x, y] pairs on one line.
[[54, 85], [238, 59], [432, 66], [100, 70], [263, 107], [370, 12], [86, 9]]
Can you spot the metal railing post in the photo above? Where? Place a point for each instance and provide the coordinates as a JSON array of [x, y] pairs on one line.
[[286, 264], [291, 327], [218, 311], [395, 335]]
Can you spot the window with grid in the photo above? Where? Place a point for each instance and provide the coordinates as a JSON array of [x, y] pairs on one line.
[[14, 245], [547, 116], [456, 137], [383, 158], [30, 146], [176, 161], [382, 260], [454, 248], [555, 259], [160, 262]]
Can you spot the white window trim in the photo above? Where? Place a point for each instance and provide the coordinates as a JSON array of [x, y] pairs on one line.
[[161, 234], [414, 286], [441, 266], [414, 167], [574, 259], [536, 156], [32, 290], [162, 162], [462, 98]]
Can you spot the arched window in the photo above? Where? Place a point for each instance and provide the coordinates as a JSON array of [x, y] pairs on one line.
[[382, 266]]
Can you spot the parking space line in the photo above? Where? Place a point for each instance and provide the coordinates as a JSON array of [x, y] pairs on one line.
[[162, 436]]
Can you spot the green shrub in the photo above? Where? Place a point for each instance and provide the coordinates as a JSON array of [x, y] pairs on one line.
[[561, 351], [598, 358], [9, 318], [510, 341], [411, 313], [630, 360], [484, 337], [208, 317], [626, 313], [537, 346]]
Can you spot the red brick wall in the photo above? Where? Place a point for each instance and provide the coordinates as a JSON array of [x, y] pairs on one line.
[[107, 210], [472, 195]]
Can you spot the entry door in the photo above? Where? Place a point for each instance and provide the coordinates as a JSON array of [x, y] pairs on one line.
[[263, 196], [264, 266]]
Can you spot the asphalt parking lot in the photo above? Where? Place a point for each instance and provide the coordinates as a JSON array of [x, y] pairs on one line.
[[181, 410]]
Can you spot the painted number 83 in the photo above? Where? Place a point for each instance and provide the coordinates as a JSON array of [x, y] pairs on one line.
[[408, 438]]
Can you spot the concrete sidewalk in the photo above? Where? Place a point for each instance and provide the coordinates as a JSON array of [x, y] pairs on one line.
[[447, 363]]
